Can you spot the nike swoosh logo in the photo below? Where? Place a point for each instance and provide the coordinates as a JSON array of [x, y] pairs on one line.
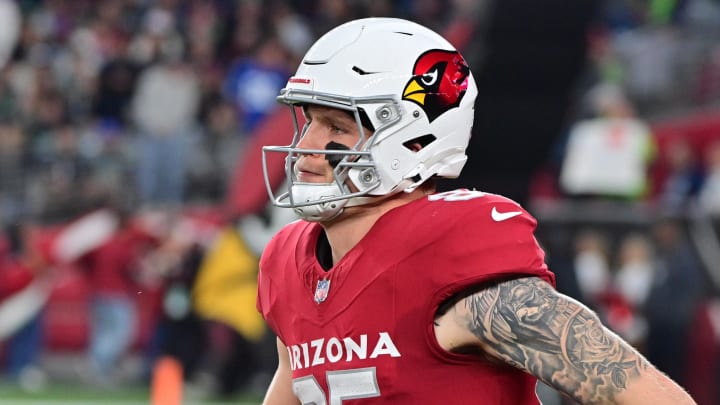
[[501, 216]]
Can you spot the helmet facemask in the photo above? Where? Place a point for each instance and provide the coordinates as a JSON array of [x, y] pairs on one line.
[[354, 170]]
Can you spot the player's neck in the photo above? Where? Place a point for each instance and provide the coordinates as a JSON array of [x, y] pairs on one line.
[[346, 231]]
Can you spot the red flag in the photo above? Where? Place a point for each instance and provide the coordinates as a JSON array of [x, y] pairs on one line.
[[247, 191]]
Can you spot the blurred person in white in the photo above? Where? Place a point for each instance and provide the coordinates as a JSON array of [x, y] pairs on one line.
[[609, 154], [389, 292], [592, 265], [163, 111], [633, 280], [709, 197], [636, 270]]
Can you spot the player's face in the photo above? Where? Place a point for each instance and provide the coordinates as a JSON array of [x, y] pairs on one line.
[[326, 129]]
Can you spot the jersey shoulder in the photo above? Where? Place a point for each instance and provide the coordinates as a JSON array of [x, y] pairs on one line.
[[461, 217], [466, 237], [286, 253], [475, 207], [291, 243]]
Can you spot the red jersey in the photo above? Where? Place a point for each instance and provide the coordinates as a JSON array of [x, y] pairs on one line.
[[14, 276], [363, 333]]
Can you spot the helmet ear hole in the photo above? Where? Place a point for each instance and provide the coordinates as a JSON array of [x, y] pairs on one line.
[[420, 142]]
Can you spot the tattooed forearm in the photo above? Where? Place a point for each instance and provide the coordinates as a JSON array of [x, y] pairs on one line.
[[530, 325]]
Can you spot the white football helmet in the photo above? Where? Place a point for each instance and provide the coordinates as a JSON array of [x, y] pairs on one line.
[[398, 79]]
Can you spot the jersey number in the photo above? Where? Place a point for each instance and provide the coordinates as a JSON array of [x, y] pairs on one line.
[[456, 195], [343, 384]]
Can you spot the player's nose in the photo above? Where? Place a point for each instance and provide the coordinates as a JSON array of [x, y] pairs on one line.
[[311, 139]]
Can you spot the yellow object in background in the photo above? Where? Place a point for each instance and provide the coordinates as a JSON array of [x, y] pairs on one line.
[[226, 286]]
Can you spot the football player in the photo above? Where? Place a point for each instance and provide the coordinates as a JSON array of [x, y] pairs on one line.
[[386, 291]]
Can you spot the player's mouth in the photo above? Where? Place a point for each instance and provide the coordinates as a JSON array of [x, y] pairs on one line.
[[307, 174]]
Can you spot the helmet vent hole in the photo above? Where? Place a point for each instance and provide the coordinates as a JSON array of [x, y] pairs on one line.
[[421, 141]]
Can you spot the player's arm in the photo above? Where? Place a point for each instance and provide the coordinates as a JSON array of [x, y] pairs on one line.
[[528, 324], [280, 390]]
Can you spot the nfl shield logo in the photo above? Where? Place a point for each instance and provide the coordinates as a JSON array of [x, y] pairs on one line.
[[321, 292]]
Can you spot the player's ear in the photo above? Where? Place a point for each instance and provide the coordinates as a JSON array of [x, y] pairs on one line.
[[415, 146]]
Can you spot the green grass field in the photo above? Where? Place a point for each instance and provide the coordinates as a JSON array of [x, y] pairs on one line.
[[79, 395]]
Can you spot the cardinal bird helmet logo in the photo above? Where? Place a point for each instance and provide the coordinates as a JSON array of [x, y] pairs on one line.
[[439, 82]]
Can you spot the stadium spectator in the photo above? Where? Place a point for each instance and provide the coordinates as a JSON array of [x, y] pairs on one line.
[[116, 85], [592, 266], [22, 269], [216, 152], [14, 165], [252, 82], [678, 289], [164, 111], [709, 196], [61, 181], [113, 274], [609, 154], [633, 280], [684, 178]]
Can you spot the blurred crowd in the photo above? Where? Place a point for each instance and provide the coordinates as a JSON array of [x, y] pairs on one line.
[[148, 102], [139, 106]]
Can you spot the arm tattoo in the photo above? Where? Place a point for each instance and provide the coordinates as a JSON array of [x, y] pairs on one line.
[[529, 325]]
